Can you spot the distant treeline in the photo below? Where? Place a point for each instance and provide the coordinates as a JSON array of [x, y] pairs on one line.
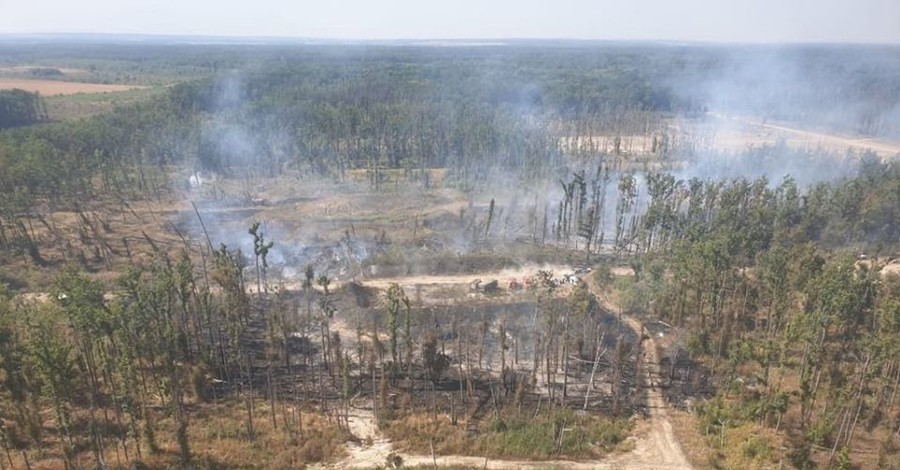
[[475, 111], [327, 115], [21, 108], [847, 88]]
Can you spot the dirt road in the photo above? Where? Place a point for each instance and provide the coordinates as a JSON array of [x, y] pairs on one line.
[[655, 445], [501, 276], [835, 142], [664, 449]]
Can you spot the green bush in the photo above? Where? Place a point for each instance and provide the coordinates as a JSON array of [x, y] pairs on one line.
[[820, 432], [551, 435], [556, 434]]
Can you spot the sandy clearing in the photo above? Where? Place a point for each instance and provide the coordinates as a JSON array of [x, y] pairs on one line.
[[502, 276], [56, 87], [622, 271], [891, 269], [409, 283], [884, 266]]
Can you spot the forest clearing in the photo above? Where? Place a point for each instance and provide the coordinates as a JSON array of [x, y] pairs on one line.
[[58, 87]]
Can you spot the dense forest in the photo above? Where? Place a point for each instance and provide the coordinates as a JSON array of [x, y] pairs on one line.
[[766, 265]]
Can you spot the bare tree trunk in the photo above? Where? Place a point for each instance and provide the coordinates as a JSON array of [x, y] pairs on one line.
[[565, 356], [587, 393], [859, 400]]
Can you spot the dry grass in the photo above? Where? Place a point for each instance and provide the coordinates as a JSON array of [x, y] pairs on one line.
[[218, 440], [56, 87], [746, 446], [82, 105], [694, 445]]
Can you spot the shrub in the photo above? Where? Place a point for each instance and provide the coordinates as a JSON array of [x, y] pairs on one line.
[[757, 448]]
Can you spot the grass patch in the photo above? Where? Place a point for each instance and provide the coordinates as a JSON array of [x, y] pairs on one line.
[[734, 436], [82, 105], [552, 435]]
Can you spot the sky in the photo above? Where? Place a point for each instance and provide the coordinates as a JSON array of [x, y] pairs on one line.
[[754, 21]]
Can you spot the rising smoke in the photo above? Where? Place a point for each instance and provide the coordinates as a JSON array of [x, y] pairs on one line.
[[804, 86]]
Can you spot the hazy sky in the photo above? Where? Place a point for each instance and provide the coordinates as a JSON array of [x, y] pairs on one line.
[[693, 20]]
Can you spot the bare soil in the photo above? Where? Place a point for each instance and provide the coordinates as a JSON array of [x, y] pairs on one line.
[[56, 87]]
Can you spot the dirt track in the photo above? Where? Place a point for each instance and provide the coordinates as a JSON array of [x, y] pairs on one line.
[[835, 142], [655, 445], [456, 279], [878, 146], [663, 448]]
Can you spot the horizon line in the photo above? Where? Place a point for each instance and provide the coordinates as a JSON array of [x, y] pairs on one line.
[[250, 39]]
